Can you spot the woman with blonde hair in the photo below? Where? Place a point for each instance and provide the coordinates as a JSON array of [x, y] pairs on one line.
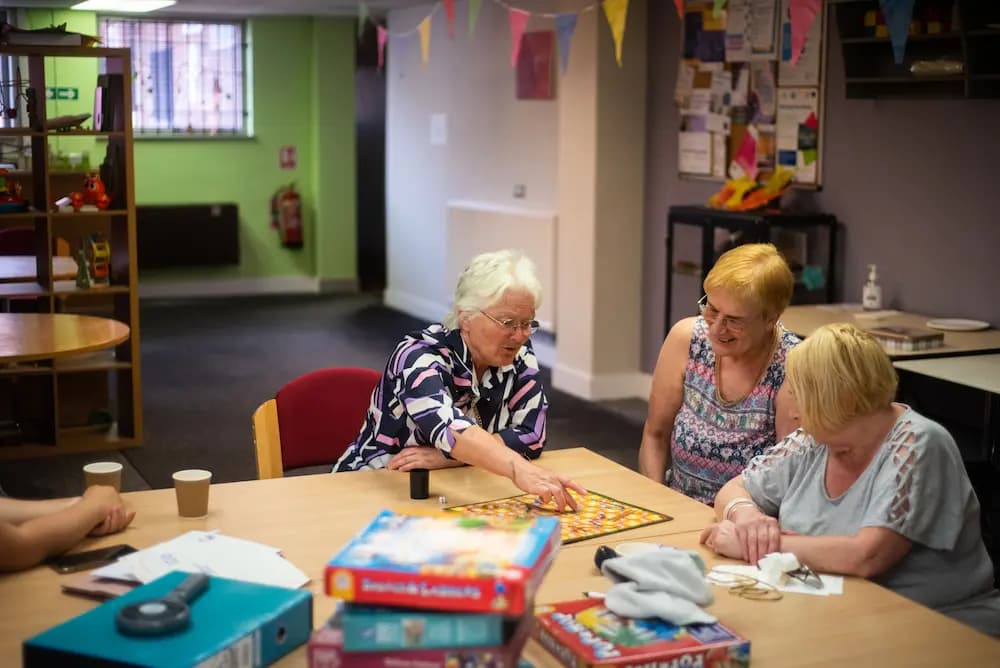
[[866, 487], [468, 390], [717, 398]]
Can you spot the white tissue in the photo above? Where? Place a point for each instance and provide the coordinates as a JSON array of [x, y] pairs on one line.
[[774, 567]]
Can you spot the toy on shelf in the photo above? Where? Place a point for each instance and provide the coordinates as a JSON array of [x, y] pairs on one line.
[[745, 194], [93, 193], [100, 259], [83, 279], [10, 194]]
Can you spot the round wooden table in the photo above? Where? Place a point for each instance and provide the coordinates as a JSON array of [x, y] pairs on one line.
[[34, 336]]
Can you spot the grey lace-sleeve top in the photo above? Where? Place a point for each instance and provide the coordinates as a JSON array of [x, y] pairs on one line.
[[916, 485]]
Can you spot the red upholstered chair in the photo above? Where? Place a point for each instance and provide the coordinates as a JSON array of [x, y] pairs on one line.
[[312, 419]]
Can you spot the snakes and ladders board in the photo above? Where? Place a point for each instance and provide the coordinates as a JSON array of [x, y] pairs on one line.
[[598, 515]]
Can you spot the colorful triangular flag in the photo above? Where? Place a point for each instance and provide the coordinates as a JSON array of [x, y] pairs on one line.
[[383, 36], [518, 22], [425, 40], [449, 10], [679, 4], [717, 7], [473, 15], [616, 11], [898, 14], [565, 25], [801, 14], [362, 17]]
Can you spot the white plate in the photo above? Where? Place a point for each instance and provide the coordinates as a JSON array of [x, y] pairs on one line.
[[958, 324]]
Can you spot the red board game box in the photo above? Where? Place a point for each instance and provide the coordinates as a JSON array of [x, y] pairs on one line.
[[326, 650], [585, 634], [445, 562]]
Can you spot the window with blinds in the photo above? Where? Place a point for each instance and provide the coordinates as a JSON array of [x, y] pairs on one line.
[[188, 75]]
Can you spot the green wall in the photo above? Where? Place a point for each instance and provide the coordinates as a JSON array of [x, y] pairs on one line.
[[301, 75]]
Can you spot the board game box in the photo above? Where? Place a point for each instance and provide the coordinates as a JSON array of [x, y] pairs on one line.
[[326, 650], [598, 515], [907, 339], [585, 634], [445, 562], [367, 628]]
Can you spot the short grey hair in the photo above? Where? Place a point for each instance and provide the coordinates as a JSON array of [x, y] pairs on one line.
[[487, 277]]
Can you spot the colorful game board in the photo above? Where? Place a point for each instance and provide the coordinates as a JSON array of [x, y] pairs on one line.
[[598, 515]]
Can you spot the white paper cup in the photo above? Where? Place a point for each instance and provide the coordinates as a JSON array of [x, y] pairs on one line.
[[103, 473], [191, 487]]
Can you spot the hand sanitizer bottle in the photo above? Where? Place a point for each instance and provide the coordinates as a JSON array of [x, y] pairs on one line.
[[871, 293]]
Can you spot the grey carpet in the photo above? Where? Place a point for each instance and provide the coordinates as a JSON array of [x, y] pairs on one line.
[[207, 364]]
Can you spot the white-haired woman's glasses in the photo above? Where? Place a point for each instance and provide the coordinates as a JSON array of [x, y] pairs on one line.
[[530, 326]]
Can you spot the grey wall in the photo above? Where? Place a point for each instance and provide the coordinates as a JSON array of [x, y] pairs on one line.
[[912, 182]]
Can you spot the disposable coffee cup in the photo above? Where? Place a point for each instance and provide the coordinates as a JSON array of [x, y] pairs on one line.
[[103, 473], [191, 486]]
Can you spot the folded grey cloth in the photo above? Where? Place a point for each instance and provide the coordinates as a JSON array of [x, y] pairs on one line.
[[665, 583]]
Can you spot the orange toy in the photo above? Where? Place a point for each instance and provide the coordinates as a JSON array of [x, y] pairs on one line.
[[93, 193]]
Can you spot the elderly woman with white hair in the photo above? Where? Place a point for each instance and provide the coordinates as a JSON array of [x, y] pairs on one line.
[[467, 391]]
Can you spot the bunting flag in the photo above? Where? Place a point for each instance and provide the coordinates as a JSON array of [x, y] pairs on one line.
[[362, 17], [679, 4], [801, 14], [473, 15], [897, 16], [717, 6], [449, 10], [425, 40], [616, 11], [565, 25], [518, 22], [383, 36]]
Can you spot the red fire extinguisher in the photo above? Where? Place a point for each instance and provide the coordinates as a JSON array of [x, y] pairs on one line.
[[286, 216]]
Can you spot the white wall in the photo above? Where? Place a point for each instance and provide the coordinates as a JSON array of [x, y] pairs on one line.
[[494, 141]]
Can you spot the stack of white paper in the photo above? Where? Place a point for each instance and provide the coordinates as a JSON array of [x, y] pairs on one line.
[[211, 553]]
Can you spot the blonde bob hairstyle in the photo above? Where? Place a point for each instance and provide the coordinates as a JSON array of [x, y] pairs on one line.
[[838, 373], [756, 273], [487, 277]]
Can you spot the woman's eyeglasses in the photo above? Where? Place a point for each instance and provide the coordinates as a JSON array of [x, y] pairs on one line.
[[530, 326], [711, 315]]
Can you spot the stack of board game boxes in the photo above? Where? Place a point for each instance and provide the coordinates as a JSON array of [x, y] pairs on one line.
[[435, 591]]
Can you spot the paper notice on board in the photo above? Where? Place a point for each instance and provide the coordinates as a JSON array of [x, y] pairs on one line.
[[762, 29], [719, 144], [806, 71], [685, 82], [694, 153], [737, 42], [798, 132], [762, 93]]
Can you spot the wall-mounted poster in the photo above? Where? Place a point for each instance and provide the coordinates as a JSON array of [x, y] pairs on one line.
[[535, 66], [744, 108]]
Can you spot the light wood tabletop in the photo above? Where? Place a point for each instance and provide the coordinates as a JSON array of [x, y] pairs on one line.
[[804, 320], [25, 337], [311, 517], [23, 268]]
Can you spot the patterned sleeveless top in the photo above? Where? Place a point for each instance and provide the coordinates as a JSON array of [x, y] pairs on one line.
[[714, 440]]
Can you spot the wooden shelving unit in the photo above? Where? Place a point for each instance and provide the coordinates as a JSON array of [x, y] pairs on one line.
[[91, 402], [972, 38]]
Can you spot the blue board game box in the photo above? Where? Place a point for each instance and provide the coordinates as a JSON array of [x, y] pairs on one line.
[[232, 623]]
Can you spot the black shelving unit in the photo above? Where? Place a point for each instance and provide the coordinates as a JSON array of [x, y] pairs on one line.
[[971, 36], [753, 227]]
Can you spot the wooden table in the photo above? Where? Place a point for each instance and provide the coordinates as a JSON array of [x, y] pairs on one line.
[[311, 517], [23, 268], [804, 320], [25, 337]]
